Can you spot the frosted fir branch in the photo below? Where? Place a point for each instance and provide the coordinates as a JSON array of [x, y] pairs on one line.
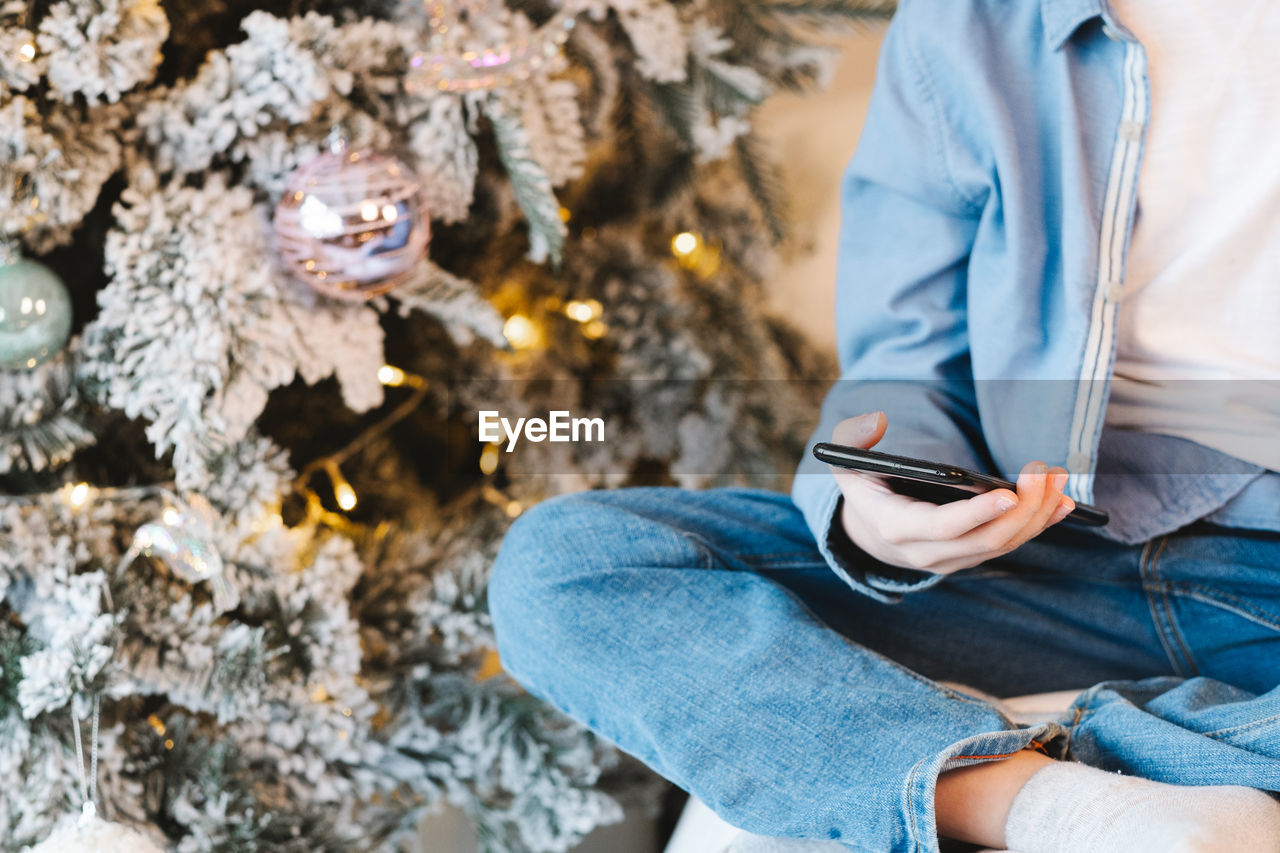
[[100, 49], [284, 73], [267, 78], [550, 116], [18, 72], [41, 421], [194, 331], [55, 164], [764, 180], [454, 301], [657, 35], [531, 186], [598, 56], [524, 773], [248, 481], [680, 109], [445, 158]]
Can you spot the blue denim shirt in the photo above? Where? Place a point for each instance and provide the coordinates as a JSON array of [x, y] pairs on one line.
[[986, 218]]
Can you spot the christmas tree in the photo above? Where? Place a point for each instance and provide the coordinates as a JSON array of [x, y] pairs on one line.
[[265, 263]]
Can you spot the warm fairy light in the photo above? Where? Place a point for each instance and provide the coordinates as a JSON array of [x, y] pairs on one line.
[[514, 508], [490, 665], [369, 211], [157, 724], [519, 331], [595, 330], [342, 491], [389, 212], [489, 458], [684, 243], [319, 694], [565, 215], [171, 516], [168, 744], [79, 495], [392, 376], [27, 52], [583, 310]]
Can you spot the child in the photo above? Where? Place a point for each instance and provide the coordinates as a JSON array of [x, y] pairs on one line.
[[1007, 270]]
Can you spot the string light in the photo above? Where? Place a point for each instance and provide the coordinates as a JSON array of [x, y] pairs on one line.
[[684, 243], [696, 254], [595, 330], [513, 509], [342, 491], [157, 724], [489, 458], [171, 516], [565, 215], [519, 331], [27, 52], [78, 495], [490, 665], [583, 310], [392, 376]]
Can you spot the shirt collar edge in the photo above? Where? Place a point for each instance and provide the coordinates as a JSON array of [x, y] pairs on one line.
[[1063, 17]]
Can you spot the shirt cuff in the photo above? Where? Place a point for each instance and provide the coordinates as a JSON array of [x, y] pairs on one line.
[[859, 569]]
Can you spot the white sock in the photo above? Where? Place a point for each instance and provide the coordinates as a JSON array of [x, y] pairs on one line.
[[1073, 808]]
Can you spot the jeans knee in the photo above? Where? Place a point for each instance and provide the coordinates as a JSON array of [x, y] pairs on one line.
[[537, 552]]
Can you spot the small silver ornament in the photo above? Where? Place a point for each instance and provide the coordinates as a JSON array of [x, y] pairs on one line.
[[35, 311], [182, 540]]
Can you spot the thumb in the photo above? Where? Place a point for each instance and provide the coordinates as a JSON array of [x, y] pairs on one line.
[[863, 431]]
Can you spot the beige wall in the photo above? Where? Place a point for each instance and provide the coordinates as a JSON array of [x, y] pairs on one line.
[[814, 137]]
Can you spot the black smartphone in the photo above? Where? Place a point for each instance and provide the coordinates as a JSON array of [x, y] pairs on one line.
[[933, 481]]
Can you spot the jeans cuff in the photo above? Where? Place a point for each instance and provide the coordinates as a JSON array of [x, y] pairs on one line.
[[922, 782]]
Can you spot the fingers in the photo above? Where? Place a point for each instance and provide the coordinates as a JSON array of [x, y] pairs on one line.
[[863, 431], [1039, 499], [951, 521]]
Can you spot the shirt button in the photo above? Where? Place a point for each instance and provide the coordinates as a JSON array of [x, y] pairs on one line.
[[1115, 291], [1131, 130], [1078, 463]]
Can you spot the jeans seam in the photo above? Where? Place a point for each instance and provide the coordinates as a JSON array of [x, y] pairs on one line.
[[1218, 734], [1241, 607], [1174, 628], [1151, 586]]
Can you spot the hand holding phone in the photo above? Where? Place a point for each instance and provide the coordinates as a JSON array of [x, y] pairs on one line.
[[942, 538]]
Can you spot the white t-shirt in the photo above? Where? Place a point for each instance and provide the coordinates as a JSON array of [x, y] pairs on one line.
[[1200, 317]]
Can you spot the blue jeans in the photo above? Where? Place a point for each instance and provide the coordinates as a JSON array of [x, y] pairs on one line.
[[703, 633]]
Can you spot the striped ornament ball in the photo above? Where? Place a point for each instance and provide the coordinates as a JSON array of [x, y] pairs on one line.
[[352, 224]]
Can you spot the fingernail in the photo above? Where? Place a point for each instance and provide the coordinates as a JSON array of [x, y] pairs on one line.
[[1059, 481], [1064, 509], [1040, 469], [867, 423], [1005, 504]]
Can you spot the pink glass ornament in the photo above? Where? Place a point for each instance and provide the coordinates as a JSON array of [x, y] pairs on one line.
[[352, 224]]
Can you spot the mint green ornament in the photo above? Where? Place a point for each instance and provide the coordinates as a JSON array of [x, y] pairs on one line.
[[35, 312]]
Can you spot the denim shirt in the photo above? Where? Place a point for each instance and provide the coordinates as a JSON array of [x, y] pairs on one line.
[[986, 216]]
